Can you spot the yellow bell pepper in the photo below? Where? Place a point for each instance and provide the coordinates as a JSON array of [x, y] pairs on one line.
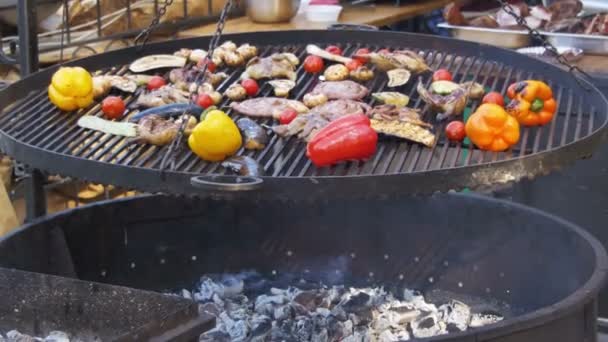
[[216, 137], [71, 88], [490, 128]]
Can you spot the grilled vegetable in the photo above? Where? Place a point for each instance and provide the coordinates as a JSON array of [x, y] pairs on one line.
[[334, 50], [123, 129], [392, 98], [247, 51], [313, 100], [170, 110], [314, 64], [251, 87], [192, 55], [71, 88], [113, 107], [449, 105], [336, 72], [236, 92], [442, 75], [532, 103], [317, 51], [401, 59], [361, 52], [495, 98], [443, 87], [398, 77], [403, 122], [211, 66], [216, 137], [244, 166], [475, 90], [455, 131], [204, 101], [287, 116], [254, 135], [157, 62], [491, 128], [362, 74], [282, 87], [156, 82], [103, 84], [354, 65], [347, 138]]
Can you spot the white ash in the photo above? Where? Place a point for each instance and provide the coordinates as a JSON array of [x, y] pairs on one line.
[[248, 309], [16, 336]]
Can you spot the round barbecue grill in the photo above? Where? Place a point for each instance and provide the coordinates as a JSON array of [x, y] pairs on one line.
[[36, 133], [542, 273]]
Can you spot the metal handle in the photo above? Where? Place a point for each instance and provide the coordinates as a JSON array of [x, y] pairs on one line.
[[360, 27], [227, 183]]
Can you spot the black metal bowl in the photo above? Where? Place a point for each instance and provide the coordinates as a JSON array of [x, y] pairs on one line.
[[545, 270], [34, 132]]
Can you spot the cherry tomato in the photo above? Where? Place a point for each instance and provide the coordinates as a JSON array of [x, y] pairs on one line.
[[251, 87], [384, 51], [442, 75], [495, 98], [313, 64], [287, 116], [455, 131], [204, 101], [113, 107], [358, 56], [334, 50], [156, 82], [210, 65], [354, 65]]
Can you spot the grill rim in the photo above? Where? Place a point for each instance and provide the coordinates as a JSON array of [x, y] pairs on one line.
[[451, 178]]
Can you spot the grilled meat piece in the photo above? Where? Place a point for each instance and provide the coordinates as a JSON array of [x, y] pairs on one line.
[[306, 125], [268, 106], [400, 59], [162, 96], [182, 78], [244, 166], [341, 90], [255, 137], [573, 25], [446, 105], [402, 122], [597, 25], [279, 65], [565, 9], [155, 130]]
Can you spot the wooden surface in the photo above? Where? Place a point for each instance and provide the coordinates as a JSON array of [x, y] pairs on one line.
[[378, 15]]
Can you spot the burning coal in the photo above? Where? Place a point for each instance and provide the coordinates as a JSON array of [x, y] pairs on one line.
[[16, 336], [249, 308]]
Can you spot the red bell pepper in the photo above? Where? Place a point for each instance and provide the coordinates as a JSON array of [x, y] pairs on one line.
[[351, 137]]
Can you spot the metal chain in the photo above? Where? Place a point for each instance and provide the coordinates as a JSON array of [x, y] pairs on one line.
[[169, 157], [143, 37], [537, 35]]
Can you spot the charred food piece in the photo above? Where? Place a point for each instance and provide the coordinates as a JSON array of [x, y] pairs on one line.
[[162, 96], [446, 104], [244, 166], [155, 130], [400, 59], [341, 90], [279, 65], [404, 123], [255, 136], [270, 107]]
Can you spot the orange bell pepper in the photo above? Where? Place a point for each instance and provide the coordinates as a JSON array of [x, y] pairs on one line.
[[532, 103], [491, 128]]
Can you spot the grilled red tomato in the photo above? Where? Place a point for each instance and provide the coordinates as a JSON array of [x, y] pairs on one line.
[[334, 50], [313, 64], [156, 82], [287, 116], [384, 51], [210, 65], [113, 107], [495, 98], [354, 65], [251, 87], [455, 131], [204, 101], [358, 56], [442, 75]]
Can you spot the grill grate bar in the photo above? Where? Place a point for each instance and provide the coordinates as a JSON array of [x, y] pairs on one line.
[[567, 121], [18, 110], [553, 126]]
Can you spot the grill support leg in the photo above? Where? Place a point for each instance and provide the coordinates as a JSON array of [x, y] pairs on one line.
[[28, 39], [35, 196]]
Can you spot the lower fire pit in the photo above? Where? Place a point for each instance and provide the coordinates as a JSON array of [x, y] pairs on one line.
[[442, 268]]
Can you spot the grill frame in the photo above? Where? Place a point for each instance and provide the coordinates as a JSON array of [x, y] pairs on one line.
[[322, 183]]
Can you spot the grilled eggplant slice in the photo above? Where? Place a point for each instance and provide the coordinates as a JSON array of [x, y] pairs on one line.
[[153, 62]]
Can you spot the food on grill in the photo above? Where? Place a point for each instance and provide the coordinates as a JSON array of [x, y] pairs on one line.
[[236, 92], [334, 50], [455, 131], [267, 106], [532, 103], [492, 128], [170, 110], [398, 77], [442, 75], [475, 90], [341, 90], [216, 137], [247, 51], [254, 136], [445, 103], [154, 62], [317, 51], [251, 87], [103, 84], [392, 98], [353, 65], [278, 65], [243, 166], [336, 72], [204, 101], [206, 63], [194, 56], [152, 129], [228, 53], [162, 96], [400, 59], [443, 87], [362, 74], [598, 25], [314, 100], [156, 82], [71, 88], [113, 107], [402, 122], [287, 116], [347, 138], [494, 97], [185, 79], [306, 125], [314, 64], [282, 87]]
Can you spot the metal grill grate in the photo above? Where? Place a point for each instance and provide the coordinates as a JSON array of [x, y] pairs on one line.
[[34, 122]]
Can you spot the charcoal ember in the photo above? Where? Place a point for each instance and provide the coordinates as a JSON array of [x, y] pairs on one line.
[[339, 313], [265, 305], [337, 330], [387, 336], [206, 289], [428, 326], [57, 336], [359, 335], [291, 292], [335, 293], [214, 336], [232, 285], [211, 309], [323, 312], [217, 300], [311, 300], [239, 314], [456, 314], [303, 328], [362, 318], [319, 329], [357, 303], [284, 312], [16, 336], [187, 294], [404, 314], [416, 300], [481, 319], [261, 327]]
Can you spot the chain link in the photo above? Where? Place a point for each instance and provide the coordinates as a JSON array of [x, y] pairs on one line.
[[169, 157], [538, 36], [143, 37]]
